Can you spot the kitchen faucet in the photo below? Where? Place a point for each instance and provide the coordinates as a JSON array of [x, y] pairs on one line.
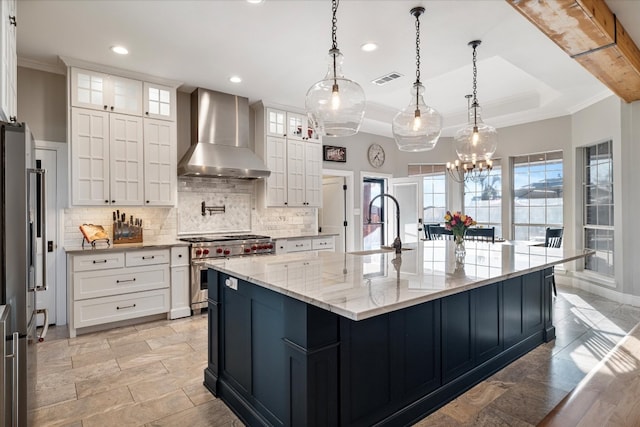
[[397, 244]]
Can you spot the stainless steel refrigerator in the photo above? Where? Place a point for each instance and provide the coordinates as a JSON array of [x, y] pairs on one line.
[[21, 222]]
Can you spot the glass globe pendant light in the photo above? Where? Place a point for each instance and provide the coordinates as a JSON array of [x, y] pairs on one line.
[[335, 105], [477, 140], [418, 126]]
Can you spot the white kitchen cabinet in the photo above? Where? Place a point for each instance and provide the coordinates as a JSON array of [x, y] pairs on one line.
[[160, 162], [110, 286], [106, 158], [101, 91], [302, 244], [180, 304], [9, 62], [293, 153], [159, 101]]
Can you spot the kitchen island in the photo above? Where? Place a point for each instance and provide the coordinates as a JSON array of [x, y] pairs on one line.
[[323, 338]]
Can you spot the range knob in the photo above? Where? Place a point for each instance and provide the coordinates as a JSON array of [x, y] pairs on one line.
[[269, 246], [206, 251], [227, 252], [219, 250], [254, 247], [247, 250], [198, 252]]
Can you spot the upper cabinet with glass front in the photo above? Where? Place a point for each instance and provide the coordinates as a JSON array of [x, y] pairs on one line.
[[100, 91], [290, 125], [159, 102]]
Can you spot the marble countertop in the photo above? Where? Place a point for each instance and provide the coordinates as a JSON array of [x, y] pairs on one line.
[[363, 286], [302, 236], [102, 247]]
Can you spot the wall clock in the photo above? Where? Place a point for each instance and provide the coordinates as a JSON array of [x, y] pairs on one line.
[[376, 155]]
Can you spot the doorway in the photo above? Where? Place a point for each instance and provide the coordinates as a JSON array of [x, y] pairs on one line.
[[336, 214], [373, 222], [51, 157]]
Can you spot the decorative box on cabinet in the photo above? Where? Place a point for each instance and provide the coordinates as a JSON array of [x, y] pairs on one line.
[[293, 152], [108, 287], [180, 304], [8, 61]]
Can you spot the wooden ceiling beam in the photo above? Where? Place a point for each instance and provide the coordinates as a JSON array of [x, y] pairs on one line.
[[590, 33]]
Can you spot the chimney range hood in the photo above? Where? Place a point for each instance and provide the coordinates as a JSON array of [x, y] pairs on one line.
[[220, 138]]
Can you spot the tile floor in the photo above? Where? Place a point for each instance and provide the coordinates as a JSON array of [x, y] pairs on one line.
[[151, 374]]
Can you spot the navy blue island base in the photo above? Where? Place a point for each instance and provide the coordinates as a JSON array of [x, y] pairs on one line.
[[278, 361]]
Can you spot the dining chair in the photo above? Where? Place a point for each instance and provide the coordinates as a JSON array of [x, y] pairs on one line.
[[553, 239], [427, 235], [437, 232], [481, 234]]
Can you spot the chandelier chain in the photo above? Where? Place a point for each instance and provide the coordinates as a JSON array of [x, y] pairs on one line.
[[475, 77], [417, 49]]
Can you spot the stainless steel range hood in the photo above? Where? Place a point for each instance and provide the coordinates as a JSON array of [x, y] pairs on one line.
[[220, 138]]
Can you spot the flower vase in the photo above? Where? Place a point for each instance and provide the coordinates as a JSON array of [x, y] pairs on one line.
[[460, 250]]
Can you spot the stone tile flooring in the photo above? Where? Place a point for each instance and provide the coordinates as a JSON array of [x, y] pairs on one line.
[[151, 374]]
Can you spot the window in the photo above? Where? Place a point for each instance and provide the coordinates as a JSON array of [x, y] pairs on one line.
[[537, 195], [483, 199], [598, 207], [373, 232], [434, 191]]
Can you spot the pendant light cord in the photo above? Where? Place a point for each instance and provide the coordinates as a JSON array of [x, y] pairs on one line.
[[417, 15], [475, 88], [334, 39]]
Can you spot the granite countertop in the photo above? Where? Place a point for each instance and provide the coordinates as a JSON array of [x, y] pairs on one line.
[[102, 247], [359, 286]]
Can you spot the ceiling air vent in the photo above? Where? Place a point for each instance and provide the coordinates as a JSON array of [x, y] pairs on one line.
[[386, 78]]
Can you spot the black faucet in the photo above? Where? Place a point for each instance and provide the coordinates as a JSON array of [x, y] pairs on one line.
[[397, 244]]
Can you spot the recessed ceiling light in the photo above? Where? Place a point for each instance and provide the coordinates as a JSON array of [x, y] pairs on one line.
[[255, 1], [369, 47], [120, 50], [235, 79]]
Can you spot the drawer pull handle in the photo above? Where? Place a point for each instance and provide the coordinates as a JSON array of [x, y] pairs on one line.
[[149, 257], [124, 281], [100, 261], [126, 306]]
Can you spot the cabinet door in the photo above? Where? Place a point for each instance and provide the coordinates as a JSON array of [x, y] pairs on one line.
[[276, 162], [159, 102], [276, 122], [159, 162], [313, 174], [297, 126], [295, 173], [89, 89], [90, 157], [125, 95], [127, 167], [8, 70]]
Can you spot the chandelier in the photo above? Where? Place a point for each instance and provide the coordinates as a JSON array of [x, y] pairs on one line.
[[418, 126], [477, 140], [335, 105], [472, 171]]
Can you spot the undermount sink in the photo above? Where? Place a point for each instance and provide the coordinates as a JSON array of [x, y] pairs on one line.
[[381, 250]]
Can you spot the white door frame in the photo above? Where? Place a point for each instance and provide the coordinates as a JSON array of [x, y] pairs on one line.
[[377, 175], [61, 202], [351, 223]]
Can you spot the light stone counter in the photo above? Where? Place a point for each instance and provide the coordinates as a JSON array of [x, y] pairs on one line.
[[362, 286], [102, 247]]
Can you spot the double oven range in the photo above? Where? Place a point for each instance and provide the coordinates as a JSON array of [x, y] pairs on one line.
[[206, 249]]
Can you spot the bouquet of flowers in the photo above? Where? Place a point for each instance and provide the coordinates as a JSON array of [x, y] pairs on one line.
[[458, 223]]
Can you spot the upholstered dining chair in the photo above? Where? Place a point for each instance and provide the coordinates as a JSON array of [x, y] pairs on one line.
[[482, 234], [553, 239], [437, 232]]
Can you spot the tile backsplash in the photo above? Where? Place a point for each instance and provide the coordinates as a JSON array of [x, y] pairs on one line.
[[241, 214]]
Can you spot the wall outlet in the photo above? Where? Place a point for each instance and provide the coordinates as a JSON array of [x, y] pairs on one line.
[[232, 283]]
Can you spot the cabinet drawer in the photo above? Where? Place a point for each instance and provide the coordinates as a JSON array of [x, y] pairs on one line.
[[298, 245], [323, 243], [180, 256], [92, 284], [111, 309], [100, 261], [147, 257]]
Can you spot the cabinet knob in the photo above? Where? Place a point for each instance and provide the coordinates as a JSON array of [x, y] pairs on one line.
[[106, 201], [179, 255], [286, 203], [146, 112], [112, 108], [105, 107], [147, 201], [113, 201]]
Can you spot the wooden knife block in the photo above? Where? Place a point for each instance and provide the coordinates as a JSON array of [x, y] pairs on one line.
[[127, 234]]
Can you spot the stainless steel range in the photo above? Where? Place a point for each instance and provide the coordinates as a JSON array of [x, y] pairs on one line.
[[209, 248]]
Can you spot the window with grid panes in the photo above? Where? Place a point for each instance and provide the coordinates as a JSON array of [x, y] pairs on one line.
[[434, 191], [537, 195], [483, 199], [598, 207]]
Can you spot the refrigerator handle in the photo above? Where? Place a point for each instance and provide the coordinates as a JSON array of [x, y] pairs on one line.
[[15, 387], [43, 224]]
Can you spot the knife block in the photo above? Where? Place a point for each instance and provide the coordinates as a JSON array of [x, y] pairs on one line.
[[127, 233]]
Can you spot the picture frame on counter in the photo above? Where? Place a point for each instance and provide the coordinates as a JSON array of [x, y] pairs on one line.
[[331, 153]]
